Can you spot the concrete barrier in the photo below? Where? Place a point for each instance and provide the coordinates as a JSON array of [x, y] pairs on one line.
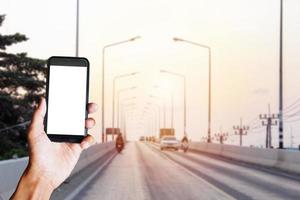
[[11, 170], [276, 158]]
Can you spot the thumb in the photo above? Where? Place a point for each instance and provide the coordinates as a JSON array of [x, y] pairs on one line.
[[37, 122]]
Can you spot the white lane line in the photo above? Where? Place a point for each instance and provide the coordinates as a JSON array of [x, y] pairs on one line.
[[195, 175], [86, 181]]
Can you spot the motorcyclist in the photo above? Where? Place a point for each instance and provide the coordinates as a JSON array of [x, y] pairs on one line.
[[119, 142], [185, 143]]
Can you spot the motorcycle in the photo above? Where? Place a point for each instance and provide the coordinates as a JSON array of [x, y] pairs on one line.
[[119, 147], [185, 146], [119, 143]]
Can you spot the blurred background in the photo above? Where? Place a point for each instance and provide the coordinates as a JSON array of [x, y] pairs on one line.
[[243, 37]]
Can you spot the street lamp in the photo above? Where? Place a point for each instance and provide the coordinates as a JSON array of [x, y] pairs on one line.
[[184, 96], [118, 95], [158, 113], [113, 97], [156, 126], [157, 117], [152, 121], [209, 81], [280, 127], [123, 100], [103, 80], [124, 120], [158, 106], [172, 108], [77, 29]]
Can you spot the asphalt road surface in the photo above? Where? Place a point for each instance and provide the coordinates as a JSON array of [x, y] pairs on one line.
[[142, 171]]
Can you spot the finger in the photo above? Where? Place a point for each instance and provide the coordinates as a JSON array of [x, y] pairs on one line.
[[89, 123], [92, 107], [75, 147], [37, 122], [87, 142]]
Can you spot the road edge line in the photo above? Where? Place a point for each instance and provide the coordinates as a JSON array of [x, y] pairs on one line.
[[76, 191]]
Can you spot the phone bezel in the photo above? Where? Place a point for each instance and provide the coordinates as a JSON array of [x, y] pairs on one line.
[[67, 61]]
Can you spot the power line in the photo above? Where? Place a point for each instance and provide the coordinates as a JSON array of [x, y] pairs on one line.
[[15, 126], [290, 121], [253, 121], [290, 111], [256, 131], [297, 113], [256, 127], [294, 104]]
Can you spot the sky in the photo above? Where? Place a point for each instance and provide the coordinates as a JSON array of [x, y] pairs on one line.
[[243, 36]]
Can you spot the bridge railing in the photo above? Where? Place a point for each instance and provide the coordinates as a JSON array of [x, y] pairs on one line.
[[276, 158]]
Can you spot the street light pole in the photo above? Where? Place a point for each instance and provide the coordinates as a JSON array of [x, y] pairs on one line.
[[185, 134], [172, 108], [172, 111], [124, 119], [77, 29], [113, 97], [184, 96], [121, 110], [104, 138], [156, 117], [164, 114], [158, 110], [209, 98], [153, 122], [118, 95], [209, 80], [280, 80]]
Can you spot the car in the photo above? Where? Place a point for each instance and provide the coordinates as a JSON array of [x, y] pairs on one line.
[[169, 142]]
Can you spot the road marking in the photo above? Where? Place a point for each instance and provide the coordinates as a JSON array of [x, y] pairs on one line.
[[191, 173], [85, 182]]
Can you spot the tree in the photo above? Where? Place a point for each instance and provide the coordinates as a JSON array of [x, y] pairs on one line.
[[22, 82]]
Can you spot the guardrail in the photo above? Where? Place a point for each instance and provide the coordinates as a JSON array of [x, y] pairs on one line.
[[11, 170], [276, 158]]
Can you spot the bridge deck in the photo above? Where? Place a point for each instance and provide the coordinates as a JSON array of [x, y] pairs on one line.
[[141, 171]]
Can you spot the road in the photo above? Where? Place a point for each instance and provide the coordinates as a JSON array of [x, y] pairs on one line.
[[142, 171]]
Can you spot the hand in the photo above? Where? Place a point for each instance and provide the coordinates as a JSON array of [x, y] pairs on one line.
[[50, 163]]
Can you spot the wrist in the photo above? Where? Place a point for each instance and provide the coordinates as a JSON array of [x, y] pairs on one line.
[[33, 186]]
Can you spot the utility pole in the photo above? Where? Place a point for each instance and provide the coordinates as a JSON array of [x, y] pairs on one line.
[[172, 111], [164, 109], [267, 120], [221, 136], [241, 130]]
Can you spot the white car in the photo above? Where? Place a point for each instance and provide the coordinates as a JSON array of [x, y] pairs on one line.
[[169, 142]]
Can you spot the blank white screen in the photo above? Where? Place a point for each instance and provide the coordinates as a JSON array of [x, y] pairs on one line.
[[67, 100]]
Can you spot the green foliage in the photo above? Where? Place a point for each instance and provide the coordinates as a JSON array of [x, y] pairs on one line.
[[22, 82]]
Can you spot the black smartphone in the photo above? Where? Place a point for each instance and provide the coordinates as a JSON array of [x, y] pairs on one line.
[[67, 97]]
